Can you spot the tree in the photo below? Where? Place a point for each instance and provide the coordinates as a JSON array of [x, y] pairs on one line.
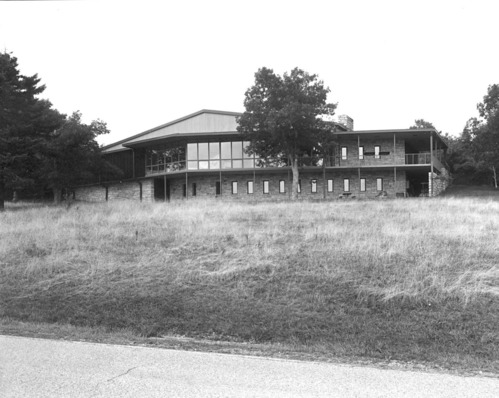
[[484, 133], [25, 122], [422, 124], [72, 155], [285, 118]]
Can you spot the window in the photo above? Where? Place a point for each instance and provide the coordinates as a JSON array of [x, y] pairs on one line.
[[361, 152], [234, 187], [214, 155], [217, 188], [314, 186], [379, 184], [299, 186], [330, 185], [194, 189], [250, 187], [282, 186], [266, 186], [184, 190], [344, 153], [346, 185], [362, 185], [376, 152]]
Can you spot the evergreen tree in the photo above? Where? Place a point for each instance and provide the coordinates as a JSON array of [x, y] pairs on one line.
[[25, 123]]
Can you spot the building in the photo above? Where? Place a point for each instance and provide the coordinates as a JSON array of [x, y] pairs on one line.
[[202, 156]]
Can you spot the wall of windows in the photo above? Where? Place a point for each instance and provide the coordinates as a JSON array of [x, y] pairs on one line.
[[164, 160], [219, 155]]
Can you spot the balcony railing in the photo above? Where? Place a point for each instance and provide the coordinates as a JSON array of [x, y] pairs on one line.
[[165, 167], [418, 158]]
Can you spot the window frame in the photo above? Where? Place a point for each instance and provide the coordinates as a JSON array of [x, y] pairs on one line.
[[346, 184], [313, 186], [361, 153], [377, 152], [250, 191], [266, 187], [362, 187], [282, 186], [330, 185], [234, 187], [379, 184], [344, 153]]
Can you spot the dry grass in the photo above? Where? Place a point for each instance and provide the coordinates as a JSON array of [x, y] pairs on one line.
[[405, 279]]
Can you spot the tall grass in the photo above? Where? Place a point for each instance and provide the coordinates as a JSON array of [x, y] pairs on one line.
[[349, 273]]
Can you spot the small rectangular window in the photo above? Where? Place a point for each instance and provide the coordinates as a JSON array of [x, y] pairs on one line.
[[362, 185], [299, 186], [234, 187], [217, 188], [376, 152], [361, 152], [194, 191], [346, 185], [282, 186], [344, 153], [184, 190], [330, 185], [265, 186], [313, 186], [250, 187], [379, 184]]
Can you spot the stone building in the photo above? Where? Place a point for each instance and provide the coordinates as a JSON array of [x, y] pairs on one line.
[[203, 156]]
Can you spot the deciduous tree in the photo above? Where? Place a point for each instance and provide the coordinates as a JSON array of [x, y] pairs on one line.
[[286, 118]]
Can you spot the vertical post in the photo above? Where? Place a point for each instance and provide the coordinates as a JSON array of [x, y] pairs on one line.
[[358, 149], [164, 188], [186, 186], [324, 178], [220, 178], [395, 180], [394, 149], [133, 163], [430, 192]]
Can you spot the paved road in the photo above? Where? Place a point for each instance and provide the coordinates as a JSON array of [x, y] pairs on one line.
[[50, 368]]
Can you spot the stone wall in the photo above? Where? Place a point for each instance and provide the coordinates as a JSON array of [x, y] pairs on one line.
[[116, 191], [206, 186], [438, 183], [386, 145]]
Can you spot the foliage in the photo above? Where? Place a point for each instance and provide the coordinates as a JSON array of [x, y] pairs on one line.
[[285, 118], [41, 148], [482, 135], [25, 122], [422, 124], [72, 154]]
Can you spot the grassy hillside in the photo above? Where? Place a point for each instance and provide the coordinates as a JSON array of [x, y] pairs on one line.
[[401, 279]]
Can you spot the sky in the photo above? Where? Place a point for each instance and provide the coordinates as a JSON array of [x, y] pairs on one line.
[[140, 64]]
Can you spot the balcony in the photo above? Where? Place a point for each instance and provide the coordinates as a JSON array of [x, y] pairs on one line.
[[418, 158], [161, 168]]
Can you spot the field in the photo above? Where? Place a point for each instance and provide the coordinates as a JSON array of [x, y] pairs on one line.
[[404, 280]]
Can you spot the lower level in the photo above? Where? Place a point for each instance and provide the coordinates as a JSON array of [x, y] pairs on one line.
[[331, 184]]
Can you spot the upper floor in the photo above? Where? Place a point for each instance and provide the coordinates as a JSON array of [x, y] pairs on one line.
[[208, 141]]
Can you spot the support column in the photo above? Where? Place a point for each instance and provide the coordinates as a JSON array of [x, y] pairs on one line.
[[430, 191], [164, 188], [186, 186]]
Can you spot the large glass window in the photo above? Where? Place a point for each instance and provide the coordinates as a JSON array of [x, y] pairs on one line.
[[165, 159], [219, 155], [237, 150]]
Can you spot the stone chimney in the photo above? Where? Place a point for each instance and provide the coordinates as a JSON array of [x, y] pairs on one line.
[[346, 121]]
